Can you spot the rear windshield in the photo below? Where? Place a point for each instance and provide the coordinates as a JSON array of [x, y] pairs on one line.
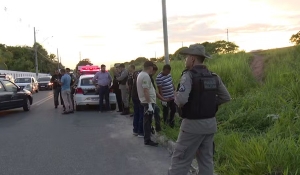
[[23, 80], [44, 79], [87, 82]]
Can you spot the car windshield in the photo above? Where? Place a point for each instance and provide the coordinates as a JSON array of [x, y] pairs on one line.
[[44, 79], [22, 80], [86, 82]]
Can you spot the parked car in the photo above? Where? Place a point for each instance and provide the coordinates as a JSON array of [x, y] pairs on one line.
[[27, 83], [7, 77], [44, 83], [86, 94], [12, 96]]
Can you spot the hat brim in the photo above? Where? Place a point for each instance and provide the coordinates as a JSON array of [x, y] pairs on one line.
[[188, 51]]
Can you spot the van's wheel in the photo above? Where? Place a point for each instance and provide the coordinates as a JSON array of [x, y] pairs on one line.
[[113, 107], [26, 106]]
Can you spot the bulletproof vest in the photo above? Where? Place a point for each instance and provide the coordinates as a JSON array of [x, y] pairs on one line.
[[124, 81], [202, 102]]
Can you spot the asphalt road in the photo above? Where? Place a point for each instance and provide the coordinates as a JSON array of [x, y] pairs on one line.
[[45, 142]]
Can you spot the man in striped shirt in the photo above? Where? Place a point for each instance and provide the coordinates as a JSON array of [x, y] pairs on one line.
[[166, 89]]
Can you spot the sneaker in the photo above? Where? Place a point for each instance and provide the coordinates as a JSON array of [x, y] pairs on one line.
[[151, 143], [140, 136], [135, 133]]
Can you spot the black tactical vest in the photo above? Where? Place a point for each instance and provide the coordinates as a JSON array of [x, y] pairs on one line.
[[202, 102]]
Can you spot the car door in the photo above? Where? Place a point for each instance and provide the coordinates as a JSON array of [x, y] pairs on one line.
[[16, 99], [4, 97]]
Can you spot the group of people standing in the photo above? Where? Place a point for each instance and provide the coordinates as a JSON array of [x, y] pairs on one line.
[[196, 99], [63, 86]]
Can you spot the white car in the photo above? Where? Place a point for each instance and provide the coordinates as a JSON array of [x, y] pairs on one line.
[[27, 83], [86, 94]]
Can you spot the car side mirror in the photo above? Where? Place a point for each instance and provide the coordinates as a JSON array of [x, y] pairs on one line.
[[16, 89]]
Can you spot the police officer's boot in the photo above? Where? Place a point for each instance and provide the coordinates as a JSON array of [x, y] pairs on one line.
[[125, 111]]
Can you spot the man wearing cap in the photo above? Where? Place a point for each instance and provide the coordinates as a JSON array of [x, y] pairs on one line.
[[124, 91], [199, 94]]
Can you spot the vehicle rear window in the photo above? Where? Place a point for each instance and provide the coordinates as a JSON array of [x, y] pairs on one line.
[[87, 82], [44, 79], [23, 80]]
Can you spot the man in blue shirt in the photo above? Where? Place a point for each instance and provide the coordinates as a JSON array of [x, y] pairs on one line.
[[65, 83], [103, 80]]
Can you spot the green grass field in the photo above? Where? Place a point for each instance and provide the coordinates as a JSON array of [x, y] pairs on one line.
[[258, 131]]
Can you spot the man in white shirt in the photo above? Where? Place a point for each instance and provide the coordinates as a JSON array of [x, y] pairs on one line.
[[147, 96]]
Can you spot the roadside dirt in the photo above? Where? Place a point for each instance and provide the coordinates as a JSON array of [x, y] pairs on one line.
[[257, 66]]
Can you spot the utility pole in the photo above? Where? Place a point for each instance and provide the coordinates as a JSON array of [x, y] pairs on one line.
[[35, 55], [57, 59], [165, 28], [60, 60], [227, 36], [181, 43]]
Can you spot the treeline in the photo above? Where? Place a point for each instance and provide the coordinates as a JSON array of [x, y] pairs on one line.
[[21, 58], [218, 47]]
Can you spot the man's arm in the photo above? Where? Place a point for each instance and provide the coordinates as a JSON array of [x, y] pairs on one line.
[[223, 95], [159, 84], [146, 84], [182, 96], [124, 74], [52, 79], [95, 78], [109, 79], [62, 80]]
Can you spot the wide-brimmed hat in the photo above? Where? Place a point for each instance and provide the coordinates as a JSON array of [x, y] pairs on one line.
[[195, 49]]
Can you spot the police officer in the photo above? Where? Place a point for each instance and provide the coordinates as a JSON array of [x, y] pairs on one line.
[[124, 91], [199, 94]]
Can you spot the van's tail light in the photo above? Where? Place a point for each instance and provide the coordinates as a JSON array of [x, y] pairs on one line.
[[79, 91], [111, 90]]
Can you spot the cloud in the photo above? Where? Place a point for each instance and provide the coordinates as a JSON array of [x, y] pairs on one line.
[[191, 31], [174, 22], [90, 36]]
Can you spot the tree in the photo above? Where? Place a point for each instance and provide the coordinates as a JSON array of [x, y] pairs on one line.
[[295, 38], [83, 62], [153, 59]]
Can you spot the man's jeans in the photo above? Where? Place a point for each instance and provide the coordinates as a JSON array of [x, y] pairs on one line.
[[103, 93], [170, 105], [157, 118], [147, 123], [138, 116], [56, 93], [66, 95]]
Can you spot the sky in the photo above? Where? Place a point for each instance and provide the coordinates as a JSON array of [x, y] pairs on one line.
[[109, 32]]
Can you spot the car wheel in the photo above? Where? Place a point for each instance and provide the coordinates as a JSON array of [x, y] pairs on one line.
[[26, 106], [78, 108], [113, 107]]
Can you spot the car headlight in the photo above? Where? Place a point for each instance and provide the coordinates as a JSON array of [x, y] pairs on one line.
[[49, 83]]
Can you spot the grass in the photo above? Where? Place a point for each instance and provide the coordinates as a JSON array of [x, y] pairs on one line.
[[258, 131]]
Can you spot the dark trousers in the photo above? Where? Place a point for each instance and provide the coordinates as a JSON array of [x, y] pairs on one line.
[[103, 94], [138, 116], [157, 118], [56, 93], [147, 123], [117, 91], [172, 106]]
